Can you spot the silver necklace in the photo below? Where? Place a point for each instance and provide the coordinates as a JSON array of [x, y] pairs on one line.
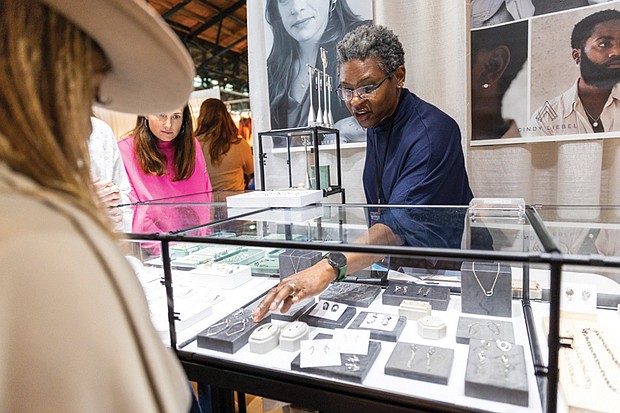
[[586, 334], [591, 118], [486, 292]]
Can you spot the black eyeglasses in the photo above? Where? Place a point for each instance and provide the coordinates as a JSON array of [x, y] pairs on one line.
[[363, 91]]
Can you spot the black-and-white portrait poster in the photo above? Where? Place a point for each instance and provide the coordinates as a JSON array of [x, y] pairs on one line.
[[544, 70], [298, 74]]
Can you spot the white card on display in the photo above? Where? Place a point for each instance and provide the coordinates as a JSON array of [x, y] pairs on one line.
[[328, 310], [352, 341], [319, 353], [378, 321]]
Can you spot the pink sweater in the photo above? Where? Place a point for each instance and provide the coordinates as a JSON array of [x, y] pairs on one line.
[[148, 187]]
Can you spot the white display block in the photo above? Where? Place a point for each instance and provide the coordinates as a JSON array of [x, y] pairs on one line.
[[225, 276], [280, 198]]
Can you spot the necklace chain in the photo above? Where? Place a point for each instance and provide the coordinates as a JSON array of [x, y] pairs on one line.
[[486, 292], [591, 118], [586, 334], [299, 257], [571, 367]]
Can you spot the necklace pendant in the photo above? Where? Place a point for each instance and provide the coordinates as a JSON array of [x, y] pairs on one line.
[[595, 124], [488, 293]]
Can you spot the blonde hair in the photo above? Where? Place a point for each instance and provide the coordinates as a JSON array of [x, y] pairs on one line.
[[46, 92]]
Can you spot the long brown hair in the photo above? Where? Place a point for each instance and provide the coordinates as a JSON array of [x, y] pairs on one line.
[[46, 93], [216, 129], [153, 162]]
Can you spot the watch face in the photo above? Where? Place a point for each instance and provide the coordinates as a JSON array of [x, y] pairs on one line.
[[338, 259]]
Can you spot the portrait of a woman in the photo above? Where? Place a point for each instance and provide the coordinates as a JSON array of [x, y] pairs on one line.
[[300, 28]]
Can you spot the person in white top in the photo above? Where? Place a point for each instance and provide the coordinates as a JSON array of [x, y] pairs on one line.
[[106, 165]]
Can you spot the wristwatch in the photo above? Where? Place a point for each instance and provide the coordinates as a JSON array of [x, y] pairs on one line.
[[338, 261]]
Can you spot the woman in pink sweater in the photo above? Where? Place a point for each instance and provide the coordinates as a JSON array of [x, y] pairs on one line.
[[163, 159]]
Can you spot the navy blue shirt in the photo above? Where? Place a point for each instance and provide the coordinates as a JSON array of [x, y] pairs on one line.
[[424, 163]]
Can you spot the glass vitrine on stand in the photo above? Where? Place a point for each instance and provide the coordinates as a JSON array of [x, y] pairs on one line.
[[302, 144]]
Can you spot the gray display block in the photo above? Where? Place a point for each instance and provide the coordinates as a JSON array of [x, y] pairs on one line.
[[483, 329], [342, 372], [296, 310], [293, 261], [231, 332], [420, 362], [486, 288], [342, 322], [494, 374], [437, 296], [361, 322], [358, 295]]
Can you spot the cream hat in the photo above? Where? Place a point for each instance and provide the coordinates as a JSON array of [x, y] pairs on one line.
[[151, 69]]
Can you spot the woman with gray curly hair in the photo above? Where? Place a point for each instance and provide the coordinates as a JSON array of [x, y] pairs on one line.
[[413, 157]]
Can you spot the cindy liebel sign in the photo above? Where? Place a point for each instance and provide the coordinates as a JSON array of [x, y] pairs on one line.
[[544, 71]]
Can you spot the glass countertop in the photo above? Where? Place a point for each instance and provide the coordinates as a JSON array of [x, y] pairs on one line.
[[583, 230]]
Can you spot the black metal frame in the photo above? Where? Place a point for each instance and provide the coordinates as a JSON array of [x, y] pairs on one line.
[[314, 132], [326, 395]]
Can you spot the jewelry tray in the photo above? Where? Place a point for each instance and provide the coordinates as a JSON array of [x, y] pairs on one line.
[[223, 336], [428, 363], [313, 321], [377, 334], [294, 312], [483, 329], [343, 372], [502, 377], [358, 295], [437, 296]]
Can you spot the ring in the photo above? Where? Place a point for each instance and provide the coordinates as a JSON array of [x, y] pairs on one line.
[[294, 287]]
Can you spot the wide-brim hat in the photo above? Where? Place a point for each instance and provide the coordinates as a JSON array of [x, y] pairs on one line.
[[152, 70]]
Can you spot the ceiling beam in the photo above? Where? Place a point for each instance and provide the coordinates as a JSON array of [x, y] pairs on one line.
[[224, 13], [176, 8]]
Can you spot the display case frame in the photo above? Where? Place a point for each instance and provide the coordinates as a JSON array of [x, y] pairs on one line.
[[327, 395], [314, 133]]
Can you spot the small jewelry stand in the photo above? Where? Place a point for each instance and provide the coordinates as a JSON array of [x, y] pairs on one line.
[[293, 261], [486, 289], [292, 334], [483, 329], [496, 374], [432, 328], [231, 332], [358, 295], [414, 309], [420, 362], [264, 338], [366, 320], [342, 321], [353, 368], [437, 296]]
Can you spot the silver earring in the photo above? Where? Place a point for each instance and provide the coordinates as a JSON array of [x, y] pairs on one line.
[[332, 7], [485, 85]]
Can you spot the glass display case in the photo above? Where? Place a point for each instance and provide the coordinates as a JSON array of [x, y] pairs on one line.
[[468, 311], [300, 146]]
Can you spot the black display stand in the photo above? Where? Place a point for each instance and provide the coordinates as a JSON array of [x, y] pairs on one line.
[[358, 295], [420, 362], [314, 133], [342, 372]]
